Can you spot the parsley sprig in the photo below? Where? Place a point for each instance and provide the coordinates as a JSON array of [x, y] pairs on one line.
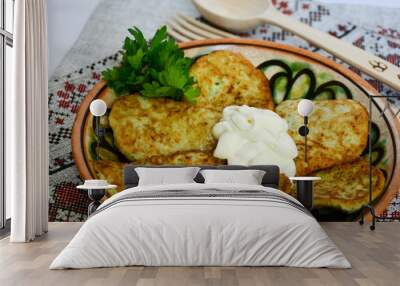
[[155, 69]]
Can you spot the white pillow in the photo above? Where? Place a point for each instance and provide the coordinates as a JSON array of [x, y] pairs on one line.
[[248, 177], [166, 176]]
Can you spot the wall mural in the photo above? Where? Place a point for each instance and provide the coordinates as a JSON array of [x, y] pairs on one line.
[[158, 131], [264, 75]]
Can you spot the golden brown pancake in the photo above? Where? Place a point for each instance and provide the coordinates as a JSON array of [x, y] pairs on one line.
[[145, 128], [285, 185], [345, 187], [227, 78], [110, 171], [338, 133], [185, 158], [162, 131]]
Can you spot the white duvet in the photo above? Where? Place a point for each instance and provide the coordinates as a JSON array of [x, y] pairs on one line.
[[200, 231]]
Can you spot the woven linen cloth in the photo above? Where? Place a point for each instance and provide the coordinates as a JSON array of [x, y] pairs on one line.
[[374, 29]]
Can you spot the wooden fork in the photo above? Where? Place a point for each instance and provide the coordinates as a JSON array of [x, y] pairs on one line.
[[184, 28]]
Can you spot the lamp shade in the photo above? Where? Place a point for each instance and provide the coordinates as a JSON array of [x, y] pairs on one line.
[[98, 107], [305, 107]]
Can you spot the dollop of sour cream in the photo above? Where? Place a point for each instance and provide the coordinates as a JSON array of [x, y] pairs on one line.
[[253, 136]]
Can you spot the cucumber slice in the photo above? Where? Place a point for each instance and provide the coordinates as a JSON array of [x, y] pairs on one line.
[[264, 66], [109, 138], [375, 134], [107, 155], [280, 89], [377, 155], [325, 94], [297, 80], [303, 85], [92, 149], [300, 87], [340, 93], [272, 70], [323, 77], [298, 66], [378, 148], [279, 86], [339, 89], [104, 123]]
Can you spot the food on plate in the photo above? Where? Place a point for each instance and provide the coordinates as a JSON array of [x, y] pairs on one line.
[[338, 132], [217, 108], [254, 136], [227, 78], [345, 187], [146, 128]]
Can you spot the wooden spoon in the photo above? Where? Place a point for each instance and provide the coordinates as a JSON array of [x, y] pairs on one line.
[[240, 16]]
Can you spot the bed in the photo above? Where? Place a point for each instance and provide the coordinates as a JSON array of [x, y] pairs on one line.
[[201, 224]]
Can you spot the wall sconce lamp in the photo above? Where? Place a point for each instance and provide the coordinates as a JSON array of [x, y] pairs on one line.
[[304, 108], [98, 108]]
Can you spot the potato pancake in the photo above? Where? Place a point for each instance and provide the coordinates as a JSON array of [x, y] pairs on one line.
[[345, 187], [162, 131], [285, 185], [185, 158], [144, 128], [227, 78], [338, 133], [110, 171]]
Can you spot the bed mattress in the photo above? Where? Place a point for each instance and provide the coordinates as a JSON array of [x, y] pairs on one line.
[[201, 225]]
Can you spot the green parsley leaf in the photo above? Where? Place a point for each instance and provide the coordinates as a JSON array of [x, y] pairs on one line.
[[155, 69]]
